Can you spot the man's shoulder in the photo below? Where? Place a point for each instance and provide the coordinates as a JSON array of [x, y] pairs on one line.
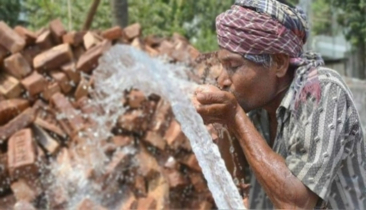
[[329, 76]]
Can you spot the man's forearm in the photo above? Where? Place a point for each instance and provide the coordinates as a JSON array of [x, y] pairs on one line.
[[284, 189]]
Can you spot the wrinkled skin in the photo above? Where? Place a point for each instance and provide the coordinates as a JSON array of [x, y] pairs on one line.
[[244, 86]]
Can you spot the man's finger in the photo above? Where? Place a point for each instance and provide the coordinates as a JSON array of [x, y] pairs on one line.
[[209, 98], [211, 110]]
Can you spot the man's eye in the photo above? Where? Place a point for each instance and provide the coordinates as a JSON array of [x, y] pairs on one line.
[[233, 68]]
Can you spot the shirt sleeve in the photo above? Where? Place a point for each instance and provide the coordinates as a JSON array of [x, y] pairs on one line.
[[320, 141]]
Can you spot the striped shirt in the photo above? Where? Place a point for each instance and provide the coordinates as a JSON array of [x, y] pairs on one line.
[[322, 144]]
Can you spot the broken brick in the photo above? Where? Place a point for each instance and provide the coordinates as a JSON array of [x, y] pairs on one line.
[[9, 86], [62, 80], [87, 204], [174, 135], [134, 121], [198, 182], [146, 203], [34, 83], [3, 53], [191, 162], [82, 88], [140, 186], [148, 166], [112, 33], [57, 30], [122, 141], [89, 60], [132, 31], [171, 163], [10, 39], [155, 140], [45, 118], [50, 89], [4, 173], [17, 66], [175, 179], [90, 40], [73, 38], [129, 203], [152, 41], [53, 58], [119, 161], [22, 154], [136, 98], [11, 108], [43, 41], [71, 72], [29, 36], [137, 43], [23, 205], [29, 53], [45, 140], [19, 122], [162, 117], [166, 48], [22, 191]]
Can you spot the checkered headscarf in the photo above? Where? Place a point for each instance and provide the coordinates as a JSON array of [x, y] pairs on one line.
[[257, 29]]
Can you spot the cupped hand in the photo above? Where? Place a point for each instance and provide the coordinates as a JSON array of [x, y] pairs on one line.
[[215, 105]]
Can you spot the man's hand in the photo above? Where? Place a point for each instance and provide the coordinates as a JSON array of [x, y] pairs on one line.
[[215, 105]]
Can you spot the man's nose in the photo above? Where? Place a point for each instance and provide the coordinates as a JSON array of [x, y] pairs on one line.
[[223, 80]]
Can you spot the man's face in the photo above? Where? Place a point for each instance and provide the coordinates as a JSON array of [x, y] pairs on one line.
[[253, 85]]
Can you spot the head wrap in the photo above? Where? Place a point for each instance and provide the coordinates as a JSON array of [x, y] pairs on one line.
[[257, 29]]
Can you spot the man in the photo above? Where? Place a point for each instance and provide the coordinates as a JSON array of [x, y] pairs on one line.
[[295, 120]]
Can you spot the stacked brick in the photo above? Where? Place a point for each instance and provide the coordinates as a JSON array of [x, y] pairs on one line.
[[49, 73]]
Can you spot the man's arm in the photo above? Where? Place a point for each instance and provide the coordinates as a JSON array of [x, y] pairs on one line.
[[284, 189]]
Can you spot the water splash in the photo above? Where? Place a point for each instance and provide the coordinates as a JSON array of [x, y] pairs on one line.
[[124, 67]]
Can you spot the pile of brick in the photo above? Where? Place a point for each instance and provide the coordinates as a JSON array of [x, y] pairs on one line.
[[50, 71]]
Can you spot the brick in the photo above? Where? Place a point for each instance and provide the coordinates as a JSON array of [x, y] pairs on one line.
[[136, 98], [9, 86], [113, 33], [122, 141], [11, 108], [10, 39], [87, 204], [191, 162], [137, 43], [202, 205], [53, 58], [3, 53], [17, 66], [158, 188], [29, 36], [73, 38], [22, 154], [175, 179], [4, 173], [46, 119], [134, 121], [50, 89], [193, 52], [151, 51], [59, 198], [129, 203], [171, 163], [44, 40], [132, 31], [82, 88], [23, 205], [30, 52], [62, 80], [148, 166], [90, 40], [22, 191], [19, 122], [152, 40], [71, 72], [146, 203], [119, 161], [155, 139], [45, 140], [34, 83], [71, 118], [198, 182], [140, 186], [162, 117], [174, 135], [166, 48], [57, 30], [7, 202], [40, 31], [186, 145], [89, 60]]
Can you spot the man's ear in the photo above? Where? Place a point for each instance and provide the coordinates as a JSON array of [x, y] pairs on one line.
[[281, 64]]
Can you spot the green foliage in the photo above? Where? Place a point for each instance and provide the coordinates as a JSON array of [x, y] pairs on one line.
[[322, 18], [9, 11]]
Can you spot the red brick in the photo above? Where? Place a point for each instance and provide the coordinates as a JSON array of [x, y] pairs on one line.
[[137, 43], [46, 119], [146, 203], [191, 162], [22, 154], [129, 203], [198, 182], [174, 135], [89, 60], [152, 40], [202, 205], [87, 204], [50, 89], [162, 117], [10, 39], [45, 140], [175, 179], [23, 205], [19, 122], [151, 51], [57, 30], [44, 41], [72, 118], [29, 36], [193, 52], [11, 108], [132, 31], [4, 173], [34, 83], [171, 163], [140, 186], [155, 139], [78, 52], [71, 71], [53, 58], [73, 38], [166, 48], [9, 86], [134, 121], [122, 141], [113, 33], [120, 160], [40, 31], [136, 98], [7, 202], [148, 166], [82, 88], [90, 40], [17, 66], [3, 53], [22, 191], [59, 198], [62, 80], [29, 53]]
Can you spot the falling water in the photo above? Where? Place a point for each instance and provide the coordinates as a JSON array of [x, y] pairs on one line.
[[123, 68]]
